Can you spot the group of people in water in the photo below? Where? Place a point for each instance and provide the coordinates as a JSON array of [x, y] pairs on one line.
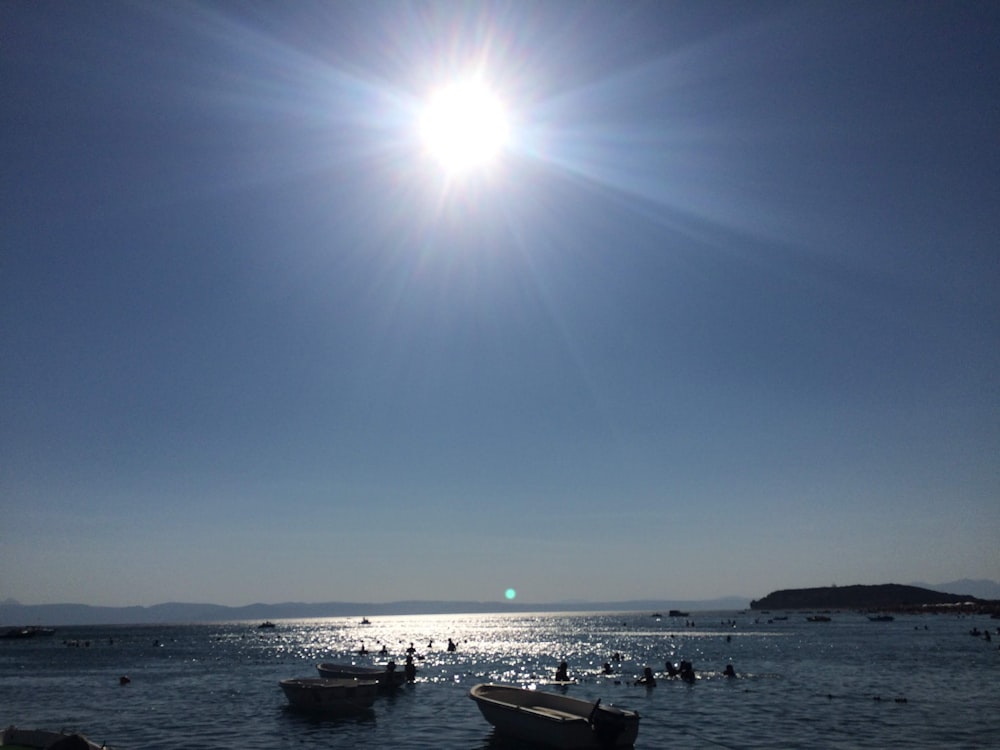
[[684, 671], [984, 634], [409, 666], [411, 651]]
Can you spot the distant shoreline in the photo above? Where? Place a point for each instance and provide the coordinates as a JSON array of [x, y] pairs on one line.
[[881, 597], [15, 614]]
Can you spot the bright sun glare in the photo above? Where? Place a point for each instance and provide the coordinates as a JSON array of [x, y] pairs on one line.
[[464, 126]]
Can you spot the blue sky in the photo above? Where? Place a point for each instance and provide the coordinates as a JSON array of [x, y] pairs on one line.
[[724, 317]]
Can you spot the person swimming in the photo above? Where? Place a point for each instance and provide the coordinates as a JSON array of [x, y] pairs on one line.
[[729, 671], [647, 678]]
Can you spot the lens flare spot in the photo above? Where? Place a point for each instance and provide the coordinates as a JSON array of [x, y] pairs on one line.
[[510, 594]]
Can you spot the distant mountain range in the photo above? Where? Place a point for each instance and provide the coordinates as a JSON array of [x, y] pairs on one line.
[[13, 613]]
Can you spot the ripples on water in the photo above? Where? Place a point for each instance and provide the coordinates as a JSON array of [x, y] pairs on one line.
[[800, 684]]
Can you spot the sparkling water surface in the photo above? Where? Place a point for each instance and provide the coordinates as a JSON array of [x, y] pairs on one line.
[[920, 681]]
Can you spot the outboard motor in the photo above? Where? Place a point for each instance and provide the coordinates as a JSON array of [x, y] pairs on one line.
[[607, 722]]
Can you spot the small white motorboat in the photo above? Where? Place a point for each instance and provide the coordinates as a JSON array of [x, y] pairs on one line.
[[333, 696], [41, 739], [555, 720], [387, 678]]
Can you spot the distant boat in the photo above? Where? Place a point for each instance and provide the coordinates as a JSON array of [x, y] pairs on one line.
[[32, 739], [818, 618], [555, 720], [32, 631], [365, 621], [387, 678], [881, 618], [266, 624], [678, 613], [333, 696]]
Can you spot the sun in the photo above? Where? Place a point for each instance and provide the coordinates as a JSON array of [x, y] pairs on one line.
[[464, 126]]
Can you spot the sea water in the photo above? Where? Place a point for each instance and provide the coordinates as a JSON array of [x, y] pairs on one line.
[[919, 681]]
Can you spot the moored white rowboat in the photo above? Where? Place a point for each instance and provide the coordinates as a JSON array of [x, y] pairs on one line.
[[387, 679], [555, 720]]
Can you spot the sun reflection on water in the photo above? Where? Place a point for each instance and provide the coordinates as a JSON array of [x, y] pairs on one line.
[[516, 649]]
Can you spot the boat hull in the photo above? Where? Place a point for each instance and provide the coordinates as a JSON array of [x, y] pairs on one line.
[[554, 720], [40, 738], [386, 680], [330, 696]]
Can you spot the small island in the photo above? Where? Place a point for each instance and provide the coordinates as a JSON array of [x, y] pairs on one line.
[[886, 596]]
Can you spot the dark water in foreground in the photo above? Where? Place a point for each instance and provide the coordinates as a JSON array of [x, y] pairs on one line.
[[800, 684]]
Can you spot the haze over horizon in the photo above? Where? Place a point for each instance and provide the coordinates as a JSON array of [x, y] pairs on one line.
[[718, 314], [982, 589]]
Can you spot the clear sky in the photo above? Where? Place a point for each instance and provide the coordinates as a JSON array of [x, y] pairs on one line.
[[721, 317]]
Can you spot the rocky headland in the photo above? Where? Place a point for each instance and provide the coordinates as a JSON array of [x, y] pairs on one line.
[[886, 597]]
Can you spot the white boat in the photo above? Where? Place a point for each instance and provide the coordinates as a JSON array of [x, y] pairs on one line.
[[555, 720], [388, 679], [334, 696], [41, 739]]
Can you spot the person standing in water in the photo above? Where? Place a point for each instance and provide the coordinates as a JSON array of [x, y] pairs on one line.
[[561, 674]]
